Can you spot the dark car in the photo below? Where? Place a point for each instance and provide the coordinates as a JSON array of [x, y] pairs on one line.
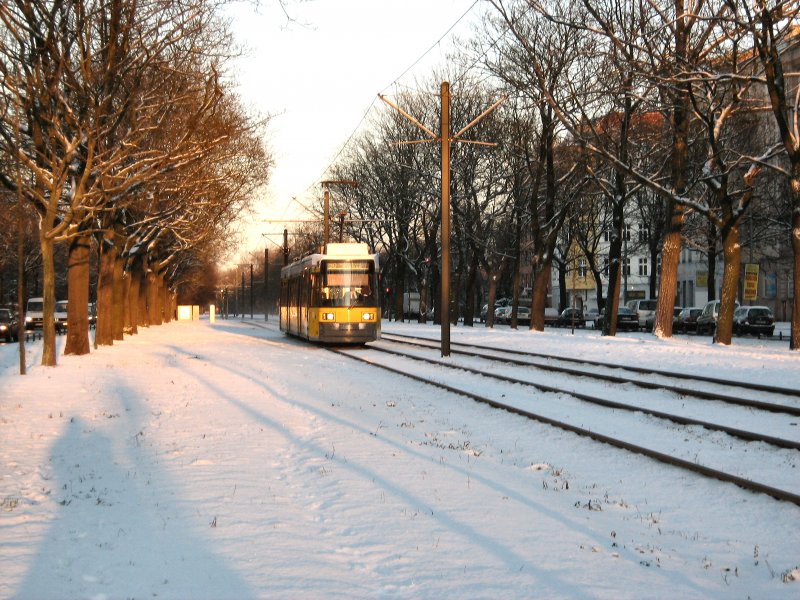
[[627, 319], [686, 320], [753, 319], [8, 325], [571, 317]]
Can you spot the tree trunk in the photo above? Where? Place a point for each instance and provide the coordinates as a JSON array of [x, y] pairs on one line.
[[669, 275], [49, 297], [134, 293], [539, 296], [615, 268], [794, 341], [78, 296], [127, 323], [676, 213], [118, 299], [711, 248], [495, 275], [167, 302], [730, 285], [153, 299], [103, 334], [563, 301], [472, 278]]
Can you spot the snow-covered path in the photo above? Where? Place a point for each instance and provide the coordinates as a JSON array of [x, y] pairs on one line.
[[227, 461]]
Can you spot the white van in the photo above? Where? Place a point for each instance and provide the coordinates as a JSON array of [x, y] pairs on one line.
[[644, 309], [34, 313], [61, 315]]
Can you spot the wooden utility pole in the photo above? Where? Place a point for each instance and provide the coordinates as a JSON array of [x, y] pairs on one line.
[[446, 139], [445, 272], [266, 283]]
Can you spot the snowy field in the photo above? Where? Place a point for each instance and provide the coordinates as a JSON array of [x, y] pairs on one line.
[[200, 460]]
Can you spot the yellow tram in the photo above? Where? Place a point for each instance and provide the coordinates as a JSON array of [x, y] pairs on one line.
[[332, 297]]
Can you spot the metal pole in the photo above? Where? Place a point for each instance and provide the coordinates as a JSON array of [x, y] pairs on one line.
[[252, 291], [326, 226], [445, 274], [241, 299], [285, 247]]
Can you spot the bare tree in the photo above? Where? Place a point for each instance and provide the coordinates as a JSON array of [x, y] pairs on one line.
[[773, 31]]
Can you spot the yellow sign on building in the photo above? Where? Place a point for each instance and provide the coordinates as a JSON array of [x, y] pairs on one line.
[[750, 281]]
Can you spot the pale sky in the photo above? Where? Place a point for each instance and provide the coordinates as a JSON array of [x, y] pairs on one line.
[[319, 75]]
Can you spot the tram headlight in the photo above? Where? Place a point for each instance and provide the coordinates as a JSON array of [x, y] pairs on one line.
[[367, 316], [327, 316]]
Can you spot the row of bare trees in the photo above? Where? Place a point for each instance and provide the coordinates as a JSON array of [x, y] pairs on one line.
[[705, 71], [682, 112], [120, 133]]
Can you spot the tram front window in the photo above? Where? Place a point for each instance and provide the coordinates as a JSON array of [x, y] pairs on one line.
[[347, 283]]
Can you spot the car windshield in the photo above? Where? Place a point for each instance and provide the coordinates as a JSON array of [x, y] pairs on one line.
[[5, 316], [35, 306], [760, 312], [648, 305], [61, 306]]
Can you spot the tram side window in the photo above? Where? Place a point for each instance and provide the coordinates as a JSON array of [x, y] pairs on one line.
[[305, 291], [315, 290]]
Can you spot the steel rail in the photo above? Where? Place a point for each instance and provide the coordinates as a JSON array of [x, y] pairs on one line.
[[759, 387], [742, 482], [707, 395], [740, 433]]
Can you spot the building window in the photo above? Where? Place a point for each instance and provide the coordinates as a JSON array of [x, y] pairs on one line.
[[607, 235], [643, 267], [605, 264], [626, 266], [644, 233], [582, 268], [626, 233]]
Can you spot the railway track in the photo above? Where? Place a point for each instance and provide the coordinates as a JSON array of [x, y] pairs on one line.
[[421, 364]]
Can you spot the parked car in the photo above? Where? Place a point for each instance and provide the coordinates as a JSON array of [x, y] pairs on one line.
[[753, 319], [500, 303], [8, 325], [707, 321], [551, 316], [502, 314], [650, 322], [687, 319], [627, 320], [571, 317], [484, 313], [523, 315], [643, 309]]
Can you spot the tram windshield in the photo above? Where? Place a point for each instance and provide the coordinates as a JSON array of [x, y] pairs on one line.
[[347, 283]]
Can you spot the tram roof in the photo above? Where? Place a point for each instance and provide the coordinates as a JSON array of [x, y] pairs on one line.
[[334, 251]]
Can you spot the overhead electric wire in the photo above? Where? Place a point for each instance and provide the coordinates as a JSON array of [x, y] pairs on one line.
[[393, 83]]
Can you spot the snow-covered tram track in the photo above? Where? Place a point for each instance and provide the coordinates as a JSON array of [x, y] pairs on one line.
[[784, 399], [785, 453]]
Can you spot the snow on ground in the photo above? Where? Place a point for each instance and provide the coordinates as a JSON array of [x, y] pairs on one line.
[[199, 460]]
